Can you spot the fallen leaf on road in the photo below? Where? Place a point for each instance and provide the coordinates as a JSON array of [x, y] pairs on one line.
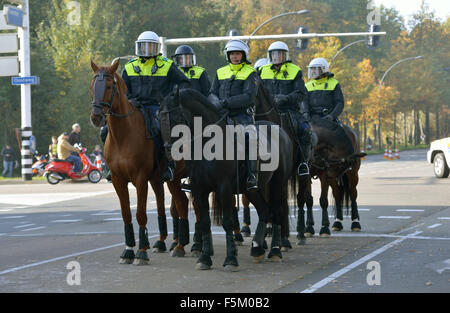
[[429, 283]]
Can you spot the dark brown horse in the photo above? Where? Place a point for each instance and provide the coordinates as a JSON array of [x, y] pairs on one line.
[[336, 163], [132, 157]]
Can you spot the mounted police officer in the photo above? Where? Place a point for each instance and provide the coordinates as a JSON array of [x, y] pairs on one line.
[[235, 87], [284, 81], [185, 59], [149, 77], [324, 98]]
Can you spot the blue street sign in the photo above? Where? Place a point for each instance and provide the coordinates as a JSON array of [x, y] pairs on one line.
[[32, 80], [13, 15]]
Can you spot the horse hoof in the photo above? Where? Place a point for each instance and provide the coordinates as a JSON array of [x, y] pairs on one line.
[[196, 253], [245, 231], [125, 261], [202, 267], [301, 242], [177, 253], [231, 268], [140, 262], [258, 259], [238, 239], [275, 258], [337, 226], [173, 245], [159, 247], [308, 235], [284, 249], [325, 232], [356, 226], [285, 245]]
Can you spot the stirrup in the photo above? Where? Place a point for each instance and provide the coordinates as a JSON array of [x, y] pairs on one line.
[[303, 169], [186, 186], [252, 185]]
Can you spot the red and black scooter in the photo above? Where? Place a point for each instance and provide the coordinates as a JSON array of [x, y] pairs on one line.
[[38, 167], [58, 170]]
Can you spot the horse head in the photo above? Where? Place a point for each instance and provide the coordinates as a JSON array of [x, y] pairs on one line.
[[103, 91]]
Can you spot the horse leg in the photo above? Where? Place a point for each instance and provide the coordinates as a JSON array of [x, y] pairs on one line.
[[278, 205], [196, 248], [324, 230], [175, 224], [338, 194], [231, 263], [181, 203], [158, 189], [204, 262], [301, 239], [284, 224], [353, 182], [238, 239], [309, 232], [245, 230], [141, 217], [121, 187], [257, 199]]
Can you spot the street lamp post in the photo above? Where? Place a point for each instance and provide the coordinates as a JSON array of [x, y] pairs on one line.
[[379, 94], [277, 16], [349, 45]]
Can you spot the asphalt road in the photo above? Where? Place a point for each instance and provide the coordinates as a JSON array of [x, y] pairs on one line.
[[405, 218]]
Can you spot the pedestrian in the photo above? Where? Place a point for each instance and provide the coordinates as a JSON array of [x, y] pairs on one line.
[[9, 157], [53, 148], [75, 135]]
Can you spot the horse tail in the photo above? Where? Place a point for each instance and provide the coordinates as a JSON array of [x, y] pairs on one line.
[[216, 210]]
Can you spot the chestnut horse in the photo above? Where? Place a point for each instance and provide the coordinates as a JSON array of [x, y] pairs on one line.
[[132, 157]]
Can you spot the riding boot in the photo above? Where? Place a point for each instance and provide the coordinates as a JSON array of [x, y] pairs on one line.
[[169, 170], [303, 168], [252, 178]]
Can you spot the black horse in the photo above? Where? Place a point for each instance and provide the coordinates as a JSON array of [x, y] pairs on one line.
[[226, 177], [266, 110], [336, 163]]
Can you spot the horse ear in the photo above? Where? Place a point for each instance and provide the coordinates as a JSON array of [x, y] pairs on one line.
[[114, 67], [94, 66]]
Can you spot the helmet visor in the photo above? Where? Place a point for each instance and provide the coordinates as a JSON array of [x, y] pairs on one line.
[[185, 60], [278, 56], [314, 72], [147, 49]]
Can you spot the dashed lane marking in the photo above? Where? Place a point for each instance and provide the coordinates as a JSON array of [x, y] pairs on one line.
[[65, 221], [36, 228], [434, 226], [394, 217], [22, 226], [410, 210]]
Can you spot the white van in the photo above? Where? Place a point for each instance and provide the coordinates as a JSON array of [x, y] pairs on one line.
[[439, 154]]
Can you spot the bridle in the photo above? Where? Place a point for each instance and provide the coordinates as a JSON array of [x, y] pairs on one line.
[[99, 95]]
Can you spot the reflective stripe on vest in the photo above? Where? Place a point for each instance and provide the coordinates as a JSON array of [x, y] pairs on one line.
[[322, 84], [146, 68], [290, 69], [198, 71], [240, 72]]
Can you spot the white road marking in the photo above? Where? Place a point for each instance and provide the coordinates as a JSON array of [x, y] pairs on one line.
[[36, 199], [395, 217], [357, 263], [410, 210], [17, 216], [65, 221], [434, 226], [439, 267], [443, 218], [5, 210], [22, 226], [106, 213], [36, 228], [409, 228], [113, 219]]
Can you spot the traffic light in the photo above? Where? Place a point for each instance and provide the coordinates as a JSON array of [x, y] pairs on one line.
[[302, 44], [372, 41]]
